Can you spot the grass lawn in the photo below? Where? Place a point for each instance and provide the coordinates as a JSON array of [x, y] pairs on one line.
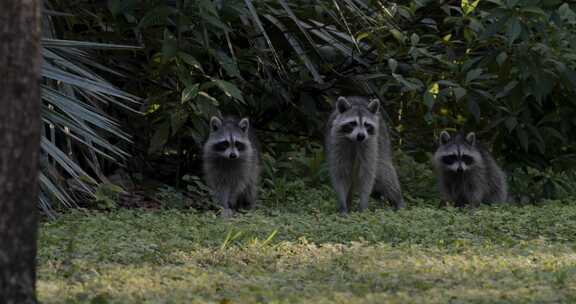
[[424, 254]]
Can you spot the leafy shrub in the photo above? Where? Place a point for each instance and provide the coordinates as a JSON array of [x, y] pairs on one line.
[[502, 68], [531, 185]]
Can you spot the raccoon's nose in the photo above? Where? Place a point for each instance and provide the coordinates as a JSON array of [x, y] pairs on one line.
[[360, 137], [233, 156], [460, 170]]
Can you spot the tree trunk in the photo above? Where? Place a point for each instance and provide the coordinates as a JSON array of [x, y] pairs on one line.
[[19, 147]]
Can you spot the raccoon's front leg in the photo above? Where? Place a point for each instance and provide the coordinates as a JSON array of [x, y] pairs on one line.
[[223, 198], [343, 189], [248, 198], [367, 179], [472, 199], [475, 201]]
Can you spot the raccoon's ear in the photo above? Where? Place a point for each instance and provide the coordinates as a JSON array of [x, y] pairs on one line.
[[215, 123], [244, 124], [471, 138], [342, 104], [373, 106], [444, 137]]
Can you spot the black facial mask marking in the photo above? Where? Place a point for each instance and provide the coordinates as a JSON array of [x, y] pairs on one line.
[[221, 146]]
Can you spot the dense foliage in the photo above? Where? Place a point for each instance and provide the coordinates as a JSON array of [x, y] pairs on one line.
[[78, 132], [502, 68]]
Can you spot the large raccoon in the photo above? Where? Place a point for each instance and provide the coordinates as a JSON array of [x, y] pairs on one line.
[[468, 174], [231, 163], [359, 154]]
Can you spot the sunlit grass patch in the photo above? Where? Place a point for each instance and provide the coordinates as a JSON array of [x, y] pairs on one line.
[[423, 254]]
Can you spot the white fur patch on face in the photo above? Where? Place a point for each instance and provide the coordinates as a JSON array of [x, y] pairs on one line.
[[453, 167], [368, 120], [348, 120], [470, 152]]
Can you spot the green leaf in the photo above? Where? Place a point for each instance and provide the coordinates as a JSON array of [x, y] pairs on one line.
[[53, 72], [157, 16], [468, 7], [511, 123], [511, 3], [434, 89], [534, 10], [160, 138], [177, 120], [484, 94], [189, 93], [473, 75], [506, 90], [428, 100], [169, 49], [414, 39], [407, 84], [398, 35], [206, 104], [474, 108], [215, 22], [114, 7], [190, 60], [459, 92], [501, 58], [476, 25], [551, 132], [229, 89], [523, 138], [67, 44], [513, 30], [362, 36], [448, 83], [227, 63], [296, 45], [392, 64], [539, 141], [493, 28]]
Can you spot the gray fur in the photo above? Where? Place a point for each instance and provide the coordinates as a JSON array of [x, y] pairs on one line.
[[233, 181], [467, 172], [364, 166]]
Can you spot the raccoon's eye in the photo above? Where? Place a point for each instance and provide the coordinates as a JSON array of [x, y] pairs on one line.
[[449, 159], [349, 127], [467, 159], [369, 128], [221, 146], [240, 146]]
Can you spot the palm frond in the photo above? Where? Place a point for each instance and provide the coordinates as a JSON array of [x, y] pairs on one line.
[[74, 98]]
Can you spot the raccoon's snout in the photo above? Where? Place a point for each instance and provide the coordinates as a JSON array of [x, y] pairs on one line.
[[233, 155], [360, 137], [460, 170]]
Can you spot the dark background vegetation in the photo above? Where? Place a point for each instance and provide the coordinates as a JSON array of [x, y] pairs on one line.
[[505, 69]]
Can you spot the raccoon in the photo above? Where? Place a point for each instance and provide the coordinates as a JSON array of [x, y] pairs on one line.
[[359, 155], [468, 174], [231, 163]]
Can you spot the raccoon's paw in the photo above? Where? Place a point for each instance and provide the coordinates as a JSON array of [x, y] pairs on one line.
[[399, 206], [227, 213]]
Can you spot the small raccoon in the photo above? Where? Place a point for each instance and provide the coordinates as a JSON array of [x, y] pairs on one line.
[[231, 163], [467, 173], [359, 154]]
